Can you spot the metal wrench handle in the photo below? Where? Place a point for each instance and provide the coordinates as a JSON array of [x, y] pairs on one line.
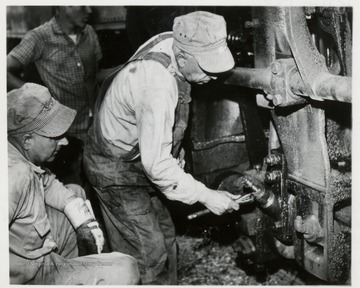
[[247, 198]]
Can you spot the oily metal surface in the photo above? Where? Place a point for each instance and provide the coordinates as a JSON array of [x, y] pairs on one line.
[[203, 262]]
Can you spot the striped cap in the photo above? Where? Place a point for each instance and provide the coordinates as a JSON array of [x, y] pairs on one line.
[[203, 35], [32, 109]]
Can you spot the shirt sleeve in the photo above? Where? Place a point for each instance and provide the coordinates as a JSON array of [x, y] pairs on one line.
[[55, 193], [97, 47], [155, 120], [29, 49], [20, 192]]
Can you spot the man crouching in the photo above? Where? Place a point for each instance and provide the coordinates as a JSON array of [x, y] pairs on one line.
[[51, 225]]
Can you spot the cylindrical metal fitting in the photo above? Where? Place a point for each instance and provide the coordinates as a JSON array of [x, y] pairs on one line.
[[272, 159], [257, 167], [252, 186], [276, 68], [327, 86], [334, 87], [255, 23], [267, 200], [273, 176]]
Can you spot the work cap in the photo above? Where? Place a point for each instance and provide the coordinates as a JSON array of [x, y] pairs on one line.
[[32, 109], [203, 35]]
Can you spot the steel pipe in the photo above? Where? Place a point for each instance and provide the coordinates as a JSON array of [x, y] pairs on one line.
[[256, 78], [326, 86]]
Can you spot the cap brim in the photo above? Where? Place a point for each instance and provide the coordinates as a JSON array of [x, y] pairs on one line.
[[60, 123], [216, 62]]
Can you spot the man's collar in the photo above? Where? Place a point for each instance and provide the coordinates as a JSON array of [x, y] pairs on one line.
[[166, 46], [17, 153], [57, 28]]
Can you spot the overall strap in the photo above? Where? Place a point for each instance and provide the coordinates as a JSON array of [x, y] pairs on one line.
[[160, 57], [165, 60], [147, 47], [140, 54]]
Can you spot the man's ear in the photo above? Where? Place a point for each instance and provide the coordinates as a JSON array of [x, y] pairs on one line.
[[27, 141], [180, 59]]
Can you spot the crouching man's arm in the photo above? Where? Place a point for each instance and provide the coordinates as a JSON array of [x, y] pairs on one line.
[[71, 200]]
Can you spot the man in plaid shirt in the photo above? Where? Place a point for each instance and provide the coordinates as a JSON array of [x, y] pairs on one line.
[[66, 52]]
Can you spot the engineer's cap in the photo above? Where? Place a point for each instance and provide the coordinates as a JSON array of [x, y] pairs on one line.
[[203, 35], [32, 109]]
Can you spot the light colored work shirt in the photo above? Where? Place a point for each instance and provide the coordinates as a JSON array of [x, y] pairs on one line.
[[139, 108], [30, 188]]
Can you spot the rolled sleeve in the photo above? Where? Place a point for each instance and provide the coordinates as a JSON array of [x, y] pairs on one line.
[[55, 193], [29, 49], [97, 47], [20, 192]]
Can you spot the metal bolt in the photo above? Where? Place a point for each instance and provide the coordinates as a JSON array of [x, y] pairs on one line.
[[272, 160], [247, 183], [251, 185], [257, 167], [341, 164], [255, 23], [271, 177], [276, 68], [342, 10], [277, 225]]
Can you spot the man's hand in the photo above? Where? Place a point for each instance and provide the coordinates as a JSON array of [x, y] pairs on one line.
[[218, 201], [90, 238], [181, 159]]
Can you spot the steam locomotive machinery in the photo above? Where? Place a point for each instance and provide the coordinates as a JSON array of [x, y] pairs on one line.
[[300, 177], [302, 187]]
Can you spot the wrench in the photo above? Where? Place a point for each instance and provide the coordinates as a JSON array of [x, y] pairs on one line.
[[245, 199]]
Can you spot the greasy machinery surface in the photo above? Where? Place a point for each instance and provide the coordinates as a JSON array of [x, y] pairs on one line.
[[302, 183]]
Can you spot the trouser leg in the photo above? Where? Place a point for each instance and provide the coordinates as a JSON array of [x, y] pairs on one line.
[[133, 227], [63, 233], [64, 267], [168, 229], [61, 229], [100, 269]]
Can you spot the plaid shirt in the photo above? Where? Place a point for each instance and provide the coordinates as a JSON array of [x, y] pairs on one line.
[[67, 69]]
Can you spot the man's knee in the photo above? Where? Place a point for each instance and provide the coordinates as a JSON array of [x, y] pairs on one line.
[[77, 190], [124, 270]]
